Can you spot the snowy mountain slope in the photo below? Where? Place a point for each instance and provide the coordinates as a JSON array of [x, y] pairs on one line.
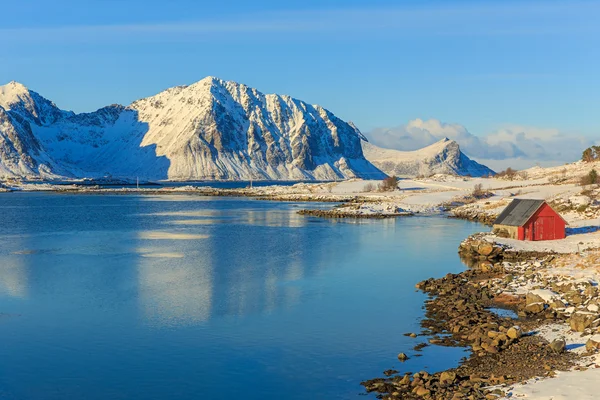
[[212, 129], [21, 154], [443, 157], [224, 130]]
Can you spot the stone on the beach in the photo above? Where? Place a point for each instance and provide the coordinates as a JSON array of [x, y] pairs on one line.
[[402, 357], [593, 343], [486, 266], [447, 377], [514, 332], [574, 297], [557, 304], [558, 345], [485, 249], [533, 298], [581, 320], [405, 380], [534, 308]]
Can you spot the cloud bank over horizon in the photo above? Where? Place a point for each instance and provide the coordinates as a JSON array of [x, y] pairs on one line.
[[513, 146]]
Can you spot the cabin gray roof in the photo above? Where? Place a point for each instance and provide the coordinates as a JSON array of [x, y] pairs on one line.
[[518, 212]]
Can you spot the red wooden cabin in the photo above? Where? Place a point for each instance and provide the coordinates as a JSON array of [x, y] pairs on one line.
[[526, 219]]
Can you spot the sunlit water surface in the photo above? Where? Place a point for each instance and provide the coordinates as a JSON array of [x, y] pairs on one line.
[[186, 297]]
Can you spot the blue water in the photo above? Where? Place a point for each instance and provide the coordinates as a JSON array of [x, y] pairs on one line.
[[186, 297]]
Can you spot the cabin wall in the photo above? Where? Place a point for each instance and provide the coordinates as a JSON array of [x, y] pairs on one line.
[[513, 231], [545, 224]]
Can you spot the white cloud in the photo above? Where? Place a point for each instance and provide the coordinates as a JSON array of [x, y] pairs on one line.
[[511, 145]]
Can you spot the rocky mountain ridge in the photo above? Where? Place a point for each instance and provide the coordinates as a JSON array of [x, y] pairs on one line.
[[442, 157], [212, 129]]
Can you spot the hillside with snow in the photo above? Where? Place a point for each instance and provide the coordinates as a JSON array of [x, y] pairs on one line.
[[443, 157], [212, 129]]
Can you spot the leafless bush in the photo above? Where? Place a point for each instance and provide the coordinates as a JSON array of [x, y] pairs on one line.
[[590, 179], [508, 173], [369, 187], [389, 184], [523, 175], [479, 193]]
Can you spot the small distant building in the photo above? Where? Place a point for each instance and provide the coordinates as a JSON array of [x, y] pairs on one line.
[[526, 219]]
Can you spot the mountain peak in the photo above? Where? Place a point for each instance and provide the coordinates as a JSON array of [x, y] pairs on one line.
[[16, 97], [12, 92], [210, 80], [15, 85]]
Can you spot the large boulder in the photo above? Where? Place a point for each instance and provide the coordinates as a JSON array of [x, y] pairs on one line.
[[533, 298], [514, 332], [581, 320], [535, 308], [485, 248], [593, 343]]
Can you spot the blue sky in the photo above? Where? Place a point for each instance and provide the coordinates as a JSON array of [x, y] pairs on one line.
[[481, 64]]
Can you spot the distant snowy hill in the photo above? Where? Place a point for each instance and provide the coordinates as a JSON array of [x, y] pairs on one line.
[[443, 157], [212, 129]]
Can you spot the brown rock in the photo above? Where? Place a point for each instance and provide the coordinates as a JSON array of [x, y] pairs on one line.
[[533, 298], [447, 377], [514, 332], [534, 308], [581, 320], [485, 249], [593, 343], [558, 345]]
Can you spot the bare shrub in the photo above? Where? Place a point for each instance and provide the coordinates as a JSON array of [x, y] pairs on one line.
[[508, 173], [369, 187], [479, 193], [590, 179], [389, 184], [523, 175]]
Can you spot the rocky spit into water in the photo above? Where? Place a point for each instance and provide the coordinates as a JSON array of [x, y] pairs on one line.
[[504, 351]]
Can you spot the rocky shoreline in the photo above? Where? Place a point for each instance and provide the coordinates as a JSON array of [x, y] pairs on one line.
[[475, 214], [478, 247], [504, 351]]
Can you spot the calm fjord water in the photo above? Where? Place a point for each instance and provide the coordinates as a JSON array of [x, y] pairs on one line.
[[185, 297]]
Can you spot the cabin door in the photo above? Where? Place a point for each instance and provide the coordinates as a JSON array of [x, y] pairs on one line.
[[543, 228]]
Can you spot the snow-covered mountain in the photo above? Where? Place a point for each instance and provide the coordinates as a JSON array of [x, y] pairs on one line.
[[212, 129], [21, 153], [443, 157]]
